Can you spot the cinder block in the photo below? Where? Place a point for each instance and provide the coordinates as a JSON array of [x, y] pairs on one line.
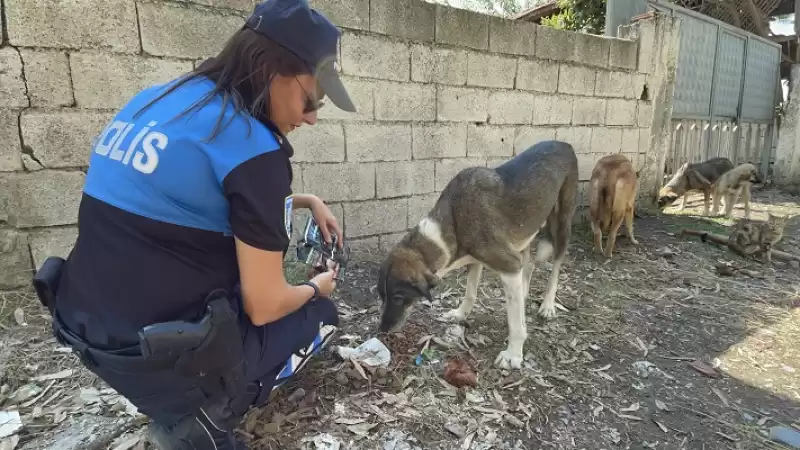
[[103, 24], [419, 206], [493, 163], [62, 138], [439, 140], [353, 14], [579, 137], [438, 65], [52, 242], [10, 147], [620, 112], [537, 75], [103, 80], [41, 199], [405, 101], [410, 19], [555, 44], [589, 111], [403, 178], [490, 141], [375, 57], [361, 92], [644, 140], [340, 182], [614, 84], [484, 69], [48, 77], [447, 169], [510, 107], [15, 260], [462, 104], [378, 142], [171, 30], [239, 5], [591, 50], [645, 114], [367, 248], [606, 141], [624, 54], [515, 37], [462, 28], [12, 83], [552, 110], [586, 162], [376, 217], [630, 140], [297, 177], [647, 46], [576, 80], [323, 142], [387, 241], [529, 136]]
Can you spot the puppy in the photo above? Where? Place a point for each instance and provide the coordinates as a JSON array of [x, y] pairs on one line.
[[612, 198], [690, 177], [733, 183], [488, 217]]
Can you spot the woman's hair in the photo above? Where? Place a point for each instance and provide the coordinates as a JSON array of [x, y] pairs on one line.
[[242, 73]]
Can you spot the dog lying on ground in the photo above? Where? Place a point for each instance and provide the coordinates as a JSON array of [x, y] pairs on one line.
[[613, 187], [488, 217], [694, 177], [732, 184]]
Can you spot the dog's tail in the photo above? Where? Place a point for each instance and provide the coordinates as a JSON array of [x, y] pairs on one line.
[[604, 202]]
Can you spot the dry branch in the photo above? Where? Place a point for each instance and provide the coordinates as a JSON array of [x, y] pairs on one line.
[[723, 240]]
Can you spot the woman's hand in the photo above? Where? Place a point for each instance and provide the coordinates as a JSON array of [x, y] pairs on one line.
[[326, 282], [326, 220]]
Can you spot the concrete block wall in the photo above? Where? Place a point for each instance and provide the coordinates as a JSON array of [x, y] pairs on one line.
[[438, 89]]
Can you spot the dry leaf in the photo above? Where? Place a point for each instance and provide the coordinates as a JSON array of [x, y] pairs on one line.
[[361, 429], [460, 373], [632, 408], [721, 397], [9, 443], [704, 368], [19, 317], [346, 421], [55, 376], [127, 444], [660, 425], [661, 405]]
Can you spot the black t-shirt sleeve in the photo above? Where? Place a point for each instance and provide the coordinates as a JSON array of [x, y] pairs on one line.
[[258, 192]]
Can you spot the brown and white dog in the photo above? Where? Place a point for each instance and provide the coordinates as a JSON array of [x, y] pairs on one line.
[[612, 199], [732, 184], [696, 176], [488, 217]]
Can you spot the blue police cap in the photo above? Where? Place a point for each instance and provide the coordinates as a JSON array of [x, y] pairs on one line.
[[308, 34]]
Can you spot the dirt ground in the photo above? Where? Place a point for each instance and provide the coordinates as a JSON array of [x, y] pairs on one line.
[[655, 351]]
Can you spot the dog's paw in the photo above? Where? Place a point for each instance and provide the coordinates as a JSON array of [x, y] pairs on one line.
[[507, 360], [547, 311], [454, 315], [634, 241]]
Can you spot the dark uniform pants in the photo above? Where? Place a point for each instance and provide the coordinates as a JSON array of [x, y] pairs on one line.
[[272, 353]]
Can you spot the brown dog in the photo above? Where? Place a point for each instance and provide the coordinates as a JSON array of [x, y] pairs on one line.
[[694, 177], [732, 184], [612, 198]]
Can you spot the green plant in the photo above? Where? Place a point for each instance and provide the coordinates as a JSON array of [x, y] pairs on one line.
[[579, 15]]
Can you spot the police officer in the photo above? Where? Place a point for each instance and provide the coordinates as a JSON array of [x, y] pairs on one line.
[[183, 226]]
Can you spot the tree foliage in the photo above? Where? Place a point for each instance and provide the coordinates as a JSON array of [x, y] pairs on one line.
[[579, 15]]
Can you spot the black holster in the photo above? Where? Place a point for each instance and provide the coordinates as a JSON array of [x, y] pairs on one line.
[[177, 368]]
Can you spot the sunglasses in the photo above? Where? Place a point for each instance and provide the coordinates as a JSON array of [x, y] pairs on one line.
[[312, 104]]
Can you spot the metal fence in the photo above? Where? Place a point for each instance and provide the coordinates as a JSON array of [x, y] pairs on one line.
[[726, 89]]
